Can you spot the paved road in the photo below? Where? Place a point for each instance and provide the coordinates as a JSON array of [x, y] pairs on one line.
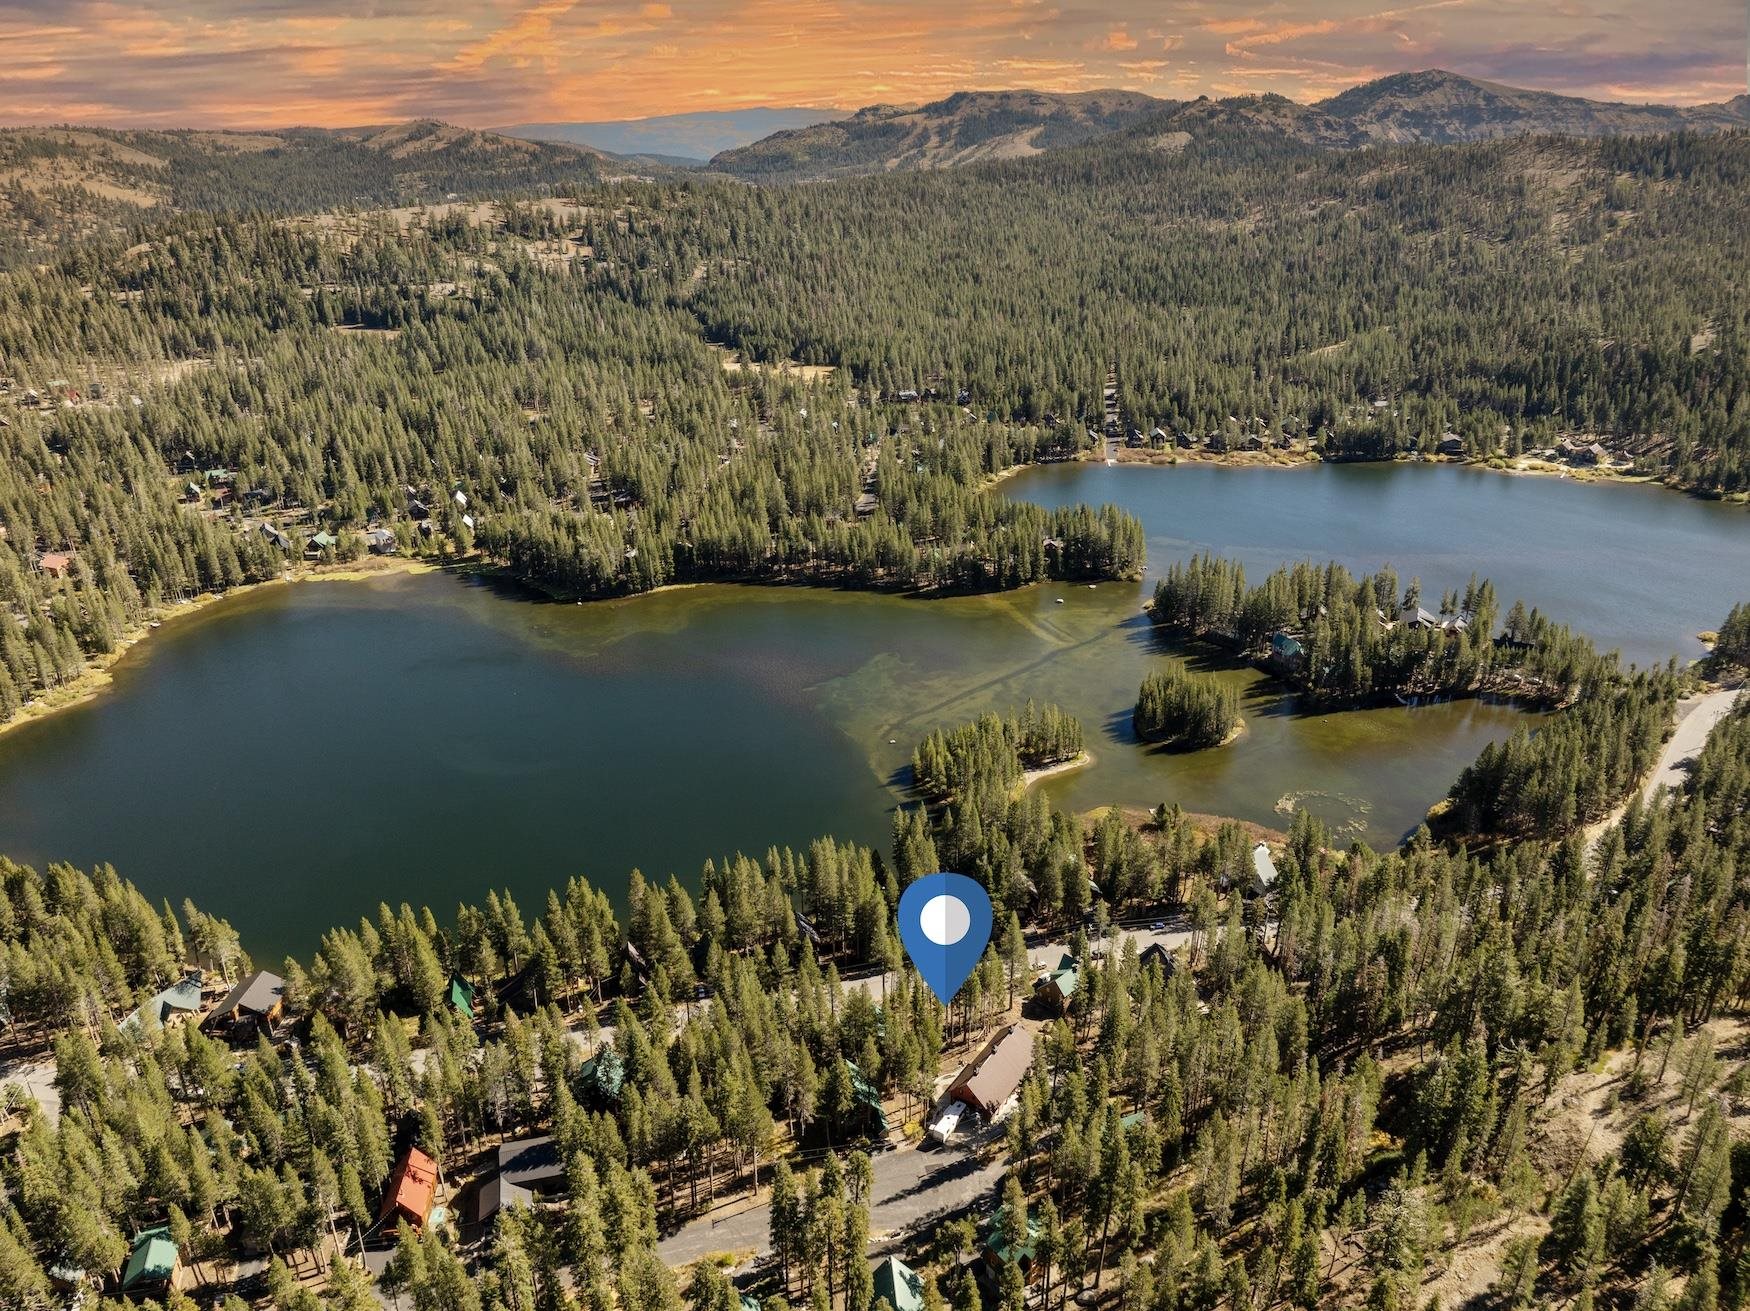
[[912, 1185], [1696, 719], [37, 1077]]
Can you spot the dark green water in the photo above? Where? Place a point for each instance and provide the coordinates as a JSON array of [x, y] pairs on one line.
[[293, 756]]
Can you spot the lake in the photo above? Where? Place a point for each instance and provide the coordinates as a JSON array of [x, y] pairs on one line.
[[294, 755]]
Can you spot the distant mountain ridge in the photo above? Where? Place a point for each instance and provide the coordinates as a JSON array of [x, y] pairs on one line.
[[964, 128], [678, 138], [1433, 106], [67, 182]]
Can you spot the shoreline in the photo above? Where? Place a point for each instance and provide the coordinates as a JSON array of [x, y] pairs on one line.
[[1523, 467], [1032, 776], [98, 676]]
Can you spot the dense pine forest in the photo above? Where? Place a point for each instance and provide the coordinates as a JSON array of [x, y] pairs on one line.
[[544, 381], [1509, 1046], [1318, 1099]]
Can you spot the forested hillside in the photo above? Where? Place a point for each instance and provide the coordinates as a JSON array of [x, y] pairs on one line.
[[60, 185], [552, 381], [1333, 1096]]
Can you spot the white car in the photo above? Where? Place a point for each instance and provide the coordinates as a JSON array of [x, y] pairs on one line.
[[946, 1123]]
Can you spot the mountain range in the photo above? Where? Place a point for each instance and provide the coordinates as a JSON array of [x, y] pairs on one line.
[[683, 139], [1432, 106]]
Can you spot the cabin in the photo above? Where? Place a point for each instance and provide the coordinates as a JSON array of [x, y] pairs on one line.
[[461, 996], [600, 1078], [1286, 652], [252, 1007], [996, 1076], [461, 500], [417, 509], [177, 1002], [998, 1252], [154, 1265], [495, 1195], [381, 541], [1055, 990], [866, 1108], [56, 564], [533, 1163], [411, 1190], [191, 492], [1414, 616], [1450, 444], [1157, 952], [898, 1285], [277, 539], [222, 496], [1263, 871], [321, 542], [866, 505]]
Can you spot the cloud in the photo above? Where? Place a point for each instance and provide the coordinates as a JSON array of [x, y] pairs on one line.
[[484, 62]]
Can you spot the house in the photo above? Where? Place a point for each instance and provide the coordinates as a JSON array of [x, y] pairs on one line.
[[276, 538], [381, 541], [191, 491], [411, 1190], [866, 1107], [222, 497], [601, 1077], [154, 1264], [1154, 952], [1252, 443], [866, 504], [179, 999], [1263, 871], [253, 1006], [1056, 988], [461, 500], [1450, 444], [417, 509], [498, 1194], [532, 1163], [998, 1252], [898, 1285], [996, 1076], [321, 542], [1286, 651], [462, 996], [1414, 616], [56, 564]]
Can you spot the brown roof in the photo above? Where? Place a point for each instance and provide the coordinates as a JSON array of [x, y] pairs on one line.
[[998, 1073], [412, 1187], [54, 562]]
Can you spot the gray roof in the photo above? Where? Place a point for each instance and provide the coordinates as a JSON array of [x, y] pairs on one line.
[[256, 995], [499, 1194], [530, 1161]]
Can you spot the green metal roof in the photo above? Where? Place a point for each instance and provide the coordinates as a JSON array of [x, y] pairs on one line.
[[462, 996], [866, 1094], [994, 1243], [899, 1284], [603, 1074], [153, 1258]]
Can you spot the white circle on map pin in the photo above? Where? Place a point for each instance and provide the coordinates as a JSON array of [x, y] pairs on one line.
[[945, 920]]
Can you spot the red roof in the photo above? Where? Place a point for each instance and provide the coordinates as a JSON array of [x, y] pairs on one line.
[[411, 1188]]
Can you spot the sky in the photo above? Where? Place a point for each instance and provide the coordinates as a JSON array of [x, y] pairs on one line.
[[484, 63]]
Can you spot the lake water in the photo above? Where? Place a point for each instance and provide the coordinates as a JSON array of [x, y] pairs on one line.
[[293, 756]]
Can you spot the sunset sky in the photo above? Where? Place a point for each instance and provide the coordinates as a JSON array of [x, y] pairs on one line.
[[239, 63]]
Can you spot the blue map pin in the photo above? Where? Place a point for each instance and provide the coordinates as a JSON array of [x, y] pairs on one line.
[[944, 922]]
